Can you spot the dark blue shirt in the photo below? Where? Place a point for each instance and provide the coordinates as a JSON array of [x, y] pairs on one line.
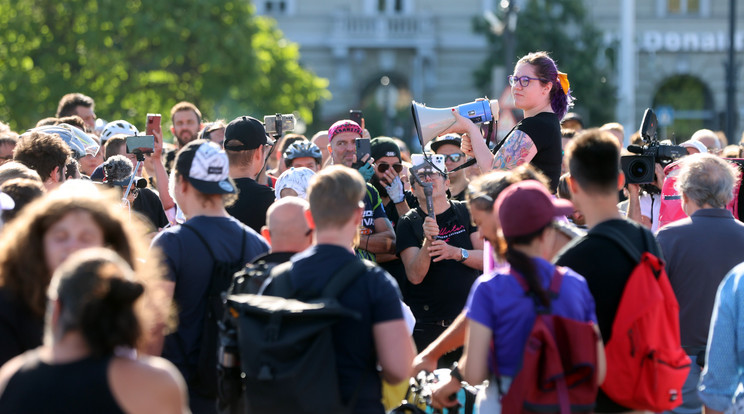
[[375, 296], [189, 265]]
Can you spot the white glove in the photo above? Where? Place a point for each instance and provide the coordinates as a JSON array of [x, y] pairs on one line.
[[395, 190]]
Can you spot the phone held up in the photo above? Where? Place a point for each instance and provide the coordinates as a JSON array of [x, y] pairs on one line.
[[153, 123], [356, 116]]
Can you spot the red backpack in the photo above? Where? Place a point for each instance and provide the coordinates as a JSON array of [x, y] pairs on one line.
[[559, 363], [646, 365]]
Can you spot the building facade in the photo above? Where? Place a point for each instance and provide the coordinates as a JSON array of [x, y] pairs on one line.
[[380, 54]]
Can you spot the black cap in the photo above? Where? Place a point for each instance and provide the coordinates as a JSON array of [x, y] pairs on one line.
[[384, 147], [452, 139], [249, 131]]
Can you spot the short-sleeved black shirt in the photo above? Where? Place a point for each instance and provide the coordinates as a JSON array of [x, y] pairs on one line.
[[253, 201], [443, 292], [545, 131]]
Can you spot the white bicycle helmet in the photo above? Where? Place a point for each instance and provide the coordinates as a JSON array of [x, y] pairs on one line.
[[80, 142], [118, 127]]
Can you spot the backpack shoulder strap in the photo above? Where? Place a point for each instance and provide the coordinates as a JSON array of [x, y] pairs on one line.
[[200, 237], [281, 285], [209, 249], [555, 283], [343, 277], [619, 239]]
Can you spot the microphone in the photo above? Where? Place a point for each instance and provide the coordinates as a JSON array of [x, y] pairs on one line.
[[117, 169], [635, 149], [648, 125]]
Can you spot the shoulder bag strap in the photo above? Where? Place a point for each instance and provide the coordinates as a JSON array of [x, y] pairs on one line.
[[619, 239], [343, 277]]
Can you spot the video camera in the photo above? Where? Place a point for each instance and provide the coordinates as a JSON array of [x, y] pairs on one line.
[[639, 169]]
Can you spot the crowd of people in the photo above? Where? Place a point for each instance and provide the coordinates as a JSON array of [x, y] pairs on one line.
[[107, 255]]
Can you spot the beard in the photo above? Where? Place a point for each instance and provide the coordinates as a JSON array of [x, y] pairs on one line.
[[189, 137], [375, 181]]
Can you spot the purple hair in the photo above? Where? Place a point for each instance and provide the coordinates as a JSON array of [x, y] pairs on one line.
[[545, 68]]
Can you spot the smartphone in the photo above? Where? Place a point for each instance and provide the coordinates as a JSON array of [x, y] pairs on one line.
[[287, 124], [362, 148], [356, 116], [153, 123], [141, 143]]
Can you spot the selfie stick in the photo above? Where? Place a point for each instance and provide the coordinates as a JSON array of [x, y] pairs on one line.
[[277, 134], [140, 159], [428, 189]]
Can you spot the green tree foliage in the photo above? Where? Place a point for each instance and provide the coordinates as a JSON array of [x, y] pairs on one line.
[[135, 57], [562, 28]]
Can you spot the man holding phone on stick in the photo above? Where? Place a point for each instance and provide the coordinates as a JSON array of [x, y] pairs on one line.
[[376, 235]]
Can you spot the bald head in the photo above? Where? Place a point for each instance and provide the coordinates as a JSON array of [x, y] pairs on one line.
[[286, 226], [321, 140]]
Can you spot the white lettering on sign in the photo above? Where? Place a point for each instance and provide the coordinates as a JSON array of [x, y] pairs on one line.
[[655, 41]]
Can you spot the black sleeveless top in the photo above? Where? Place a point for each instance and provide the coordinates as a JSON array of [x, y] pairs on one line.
[[76, 387]]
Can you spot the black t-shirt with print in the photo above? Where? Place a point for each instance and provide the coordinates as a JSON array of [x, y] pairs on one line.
[[443, 292]]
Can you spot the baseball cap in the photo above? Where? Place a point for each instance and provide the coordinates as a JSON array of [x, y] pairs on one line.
[[527, 206], [206, 167], [695, 144], [344, 125], [573, 116], [384, 147], [437, 142], [249, 131]]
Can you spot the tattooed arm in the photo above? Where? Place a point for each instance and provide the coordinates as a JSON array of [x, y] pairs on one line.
[[517, 150]]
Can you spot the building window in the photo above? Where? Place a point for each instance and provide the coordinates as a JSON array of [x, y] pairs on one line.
[[392, 6], [275, 7], [683, 7]]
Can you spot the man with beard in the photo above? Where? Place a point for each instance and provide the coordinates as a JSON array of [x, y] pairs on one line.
[[186, 122], [377, 235]]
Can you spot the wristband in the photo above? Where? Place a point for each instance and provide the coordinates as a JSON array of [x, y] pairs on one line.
[[455, 372]]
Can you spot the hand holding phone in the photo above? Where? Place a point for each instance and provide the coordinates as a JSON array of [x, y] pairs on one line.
[[153, 127]]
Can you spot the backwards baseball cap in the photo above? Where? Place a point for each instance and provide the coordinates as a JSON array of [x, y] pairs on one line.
[[249, 131], [453, 139], [527, 207], [344, 125], [384, 147], [206, 167]]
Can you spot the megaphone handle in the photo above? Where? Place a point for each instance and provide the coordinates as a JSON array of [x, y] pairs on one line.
[[429, 200]]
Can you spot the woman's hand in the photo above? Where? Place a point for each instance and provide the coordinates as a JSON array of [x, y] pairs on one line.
[[462, 125], [466, 146]]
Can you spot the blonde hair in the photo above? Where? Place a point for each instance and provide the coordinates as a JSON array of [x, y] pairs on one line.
[[335, 193]]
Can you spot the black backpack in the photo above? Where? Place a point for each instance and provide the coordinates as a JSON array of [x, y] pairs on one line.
[[285, 345], [203, 380]]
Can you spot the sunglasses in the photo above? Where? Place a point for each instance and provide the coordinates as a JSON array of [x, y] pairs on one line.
[[454, 157], [523, 80], [382, 167]]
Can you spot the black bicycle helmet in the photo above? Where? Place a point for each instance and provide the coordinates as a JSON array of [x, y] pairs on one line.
[[302, 149]]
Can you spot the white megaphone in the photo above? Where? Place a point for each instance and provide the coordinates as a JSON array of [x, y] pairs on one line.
[[431, 122]]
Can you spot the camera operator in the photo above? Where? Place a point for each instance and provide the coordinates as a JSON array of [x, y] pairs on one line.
[[644, 200]]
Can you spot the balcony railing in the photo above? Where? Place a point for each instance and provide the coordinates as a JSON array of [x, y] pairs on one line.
[[381, 28]]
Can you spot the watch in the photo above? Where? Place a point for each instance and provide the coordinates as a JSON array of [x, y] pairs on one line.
[[464, 254]]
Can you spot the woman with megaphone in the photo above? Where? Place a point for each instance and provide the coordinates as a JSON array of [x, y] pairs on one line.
[[543, 93]]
